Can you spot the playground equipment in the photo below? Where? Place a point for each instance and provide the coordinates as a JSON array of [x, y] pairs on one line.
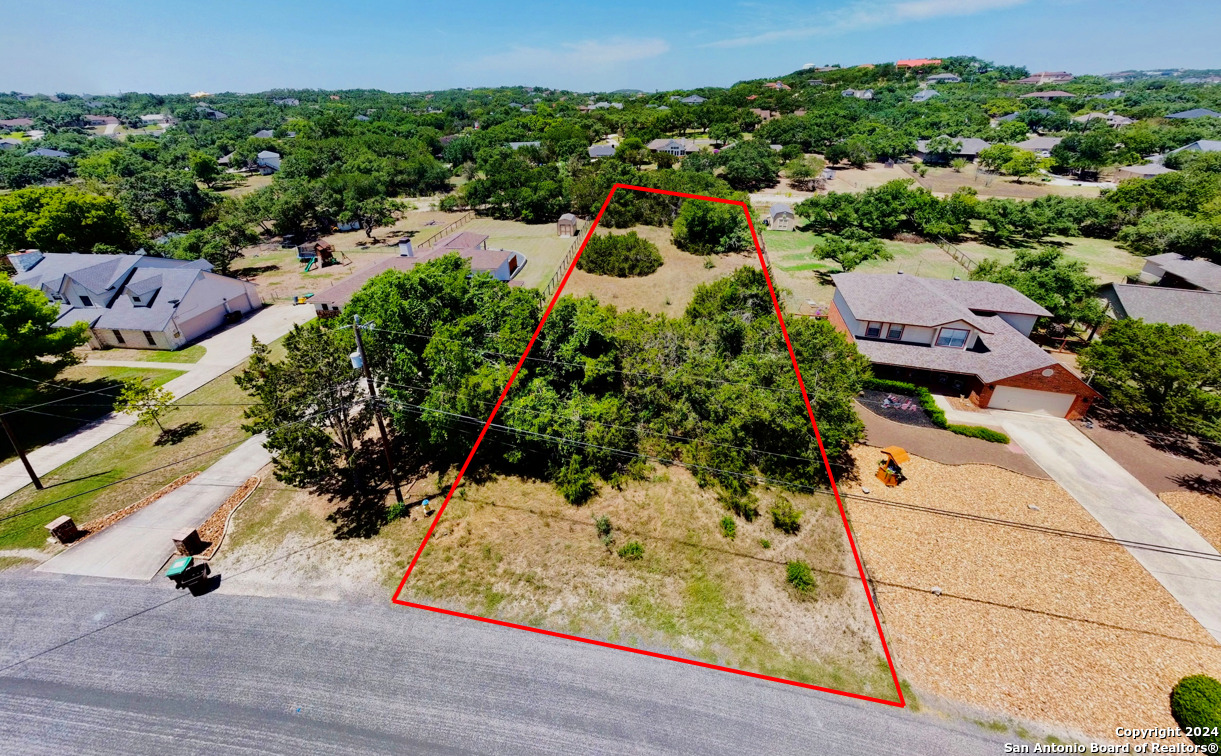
[[301, 298], [889, 470]]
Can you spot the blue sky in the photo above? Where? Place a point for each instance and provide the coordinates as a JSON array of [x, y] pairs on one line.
[[222, 45]]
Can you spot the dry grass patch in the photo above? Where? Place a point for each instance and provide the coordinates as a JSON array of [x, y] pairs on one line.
[[946, 180], [1062, 630], [515, 550], [669, 289]]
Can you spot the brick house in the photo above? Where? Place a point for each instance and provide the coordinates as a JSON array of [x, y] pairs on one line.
[[969, 338]]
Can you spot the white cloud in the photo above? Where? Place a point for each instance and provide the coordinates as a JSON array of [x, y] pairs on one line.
[[586, 55], [871, 14]]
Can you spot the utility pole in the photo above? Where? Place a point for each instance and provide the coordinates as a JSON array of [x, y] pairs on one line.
[[377, 410], [20, 452]]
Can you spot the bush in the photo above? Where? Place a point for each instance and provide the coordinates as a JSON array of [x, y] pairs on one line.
[[603, 524], [729, 528], [801, 577], [1196, 703], [744, 505], [785, 516], [621, 255], [765, 543], [631, 551], [978, 431], [576, 482]]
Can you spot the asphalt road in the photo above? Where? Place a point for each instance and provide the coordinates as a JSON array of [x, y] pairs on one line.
[[97, 666]]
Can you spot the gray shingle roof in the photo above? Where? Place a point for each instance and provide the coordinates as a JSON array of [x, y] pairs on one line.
[[263, 134], [173, 284], [1160, 304], [1201, 145], [970, 145], [1200, 273], [45, 152], [1039, 143], [1196, 113], [601, 150], [929, 301], [1014, 116], [925, 94]]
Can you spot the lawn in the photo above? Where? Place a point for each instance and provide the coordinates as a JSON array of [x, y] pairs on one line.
[[669, 289], [543, 247], [190, 354], [131, 452]]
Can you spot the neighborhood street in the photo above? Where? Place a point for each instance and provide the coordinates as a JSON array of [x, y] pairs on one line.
[[97, 666], [225, 350]]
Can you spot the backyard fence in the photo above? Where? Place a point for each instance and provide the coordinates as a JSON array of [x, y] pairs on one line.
[[466, 218], [550, 288], [959, 256]]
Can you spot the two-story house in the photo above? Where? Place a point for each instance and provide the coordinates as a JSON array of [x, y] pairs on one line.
[[969, 338]]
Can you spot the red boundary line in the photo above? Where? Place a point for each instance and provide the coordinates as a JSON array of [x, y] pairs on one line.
[[809, 409]]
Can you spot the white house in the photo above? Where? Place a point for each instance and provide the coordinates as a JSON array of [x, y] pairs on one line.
[[268, 162], [136, 301]]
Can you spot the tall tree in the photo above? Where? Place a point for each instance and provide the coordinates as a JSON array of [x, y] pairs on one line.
[[62, 219], [30, 344]]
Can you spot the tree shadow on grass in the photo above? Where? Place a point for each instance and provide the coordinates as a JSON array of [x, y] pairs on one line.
[[363, 492], [178, 434]]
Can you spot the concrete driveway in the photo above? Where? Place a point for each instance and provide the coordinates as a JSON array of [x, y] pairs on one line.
[[136, 547], [1126, 509], [225, 351]]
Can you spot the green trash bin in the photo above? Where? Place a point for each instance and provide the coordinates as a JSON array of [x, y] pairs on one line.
[[187, 573]]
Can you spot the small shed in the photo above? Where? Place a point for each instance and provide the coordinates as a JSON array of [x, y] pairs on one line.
[[567, 225], [781, 218]]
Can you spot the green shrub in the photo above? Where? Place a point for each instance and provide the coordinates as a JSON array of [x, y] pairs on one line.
[[729, 528], [743, 505], [765, 543], [785, 516], [801, 577], [576, 482], [621, 255], [978, 431], [603, 524], [1196, 703], [631, 551], [396, 511]]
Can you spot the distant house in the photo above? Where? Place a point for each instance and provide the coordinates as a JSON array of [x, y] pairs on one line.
[[777, 85], [1178, 272], [1116, 95], [970, 338], [918, 63], [268, 162], [944, 78], [288, 101], [815, 83], [924, 95], [1040, 145], [970, 149], [860, 94], [225, 160], [566, 226], [99, 120], [1112, 119], [1200, 145], [264, 134], [135, 301], [780, 217], [1141, 171], [501, 264], [155, 118], [1051, 94], [693, 100], [1195, 113], [1155, 304], [519, 145], [676, 147], [362, 117], [45, 152], [16, 123], [1017, 116], [765, 115], [1046, 77], [601, 150], [8, 144], [210, 113]]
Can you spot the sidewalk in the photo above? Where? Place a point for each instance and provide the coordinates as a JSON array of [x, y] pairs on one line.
[[226, 350], [136, 547]]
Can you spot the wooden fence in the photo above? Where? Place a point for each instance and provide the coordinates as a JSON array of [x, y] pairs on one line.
[[550, 288], [466, 218], [959, 256]]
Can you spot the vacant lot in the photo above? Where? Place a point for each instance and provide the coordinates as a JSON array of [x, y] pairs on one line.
[[669, 289], [1035, 625], [947, 180], [798, 271]]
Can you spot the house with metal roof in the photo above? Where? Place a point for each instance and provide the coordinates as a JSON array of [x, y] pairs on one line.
[[267, 162], [136, 301], [944, 78], [968, 338]]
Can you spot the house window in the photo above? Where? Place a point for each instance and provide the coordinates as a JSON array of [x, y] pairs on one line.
[[86, 301], [118, 336], [952, 337], [151, 341], [895, 332], [873, 330]]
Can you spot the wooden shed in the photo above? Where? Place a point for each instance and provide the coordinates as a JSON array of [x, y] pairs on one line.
[[567, 225]]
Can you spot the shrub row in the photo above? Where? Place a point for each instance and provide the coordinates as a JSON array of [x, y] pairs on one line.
[[935, 413]]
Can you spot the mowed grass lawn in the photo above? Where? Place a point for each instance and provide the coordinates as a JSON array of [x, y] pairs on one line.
[[70, 488], [543, 247], [192, 353], [805, 276], [669, 289]]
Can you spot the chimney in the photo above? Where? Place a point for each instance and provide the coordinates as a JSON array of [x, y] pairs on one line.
[[24, 261]]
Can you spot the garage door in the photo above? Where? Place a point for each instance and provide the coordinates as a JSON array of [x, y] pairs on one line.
[[1028, 400]]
